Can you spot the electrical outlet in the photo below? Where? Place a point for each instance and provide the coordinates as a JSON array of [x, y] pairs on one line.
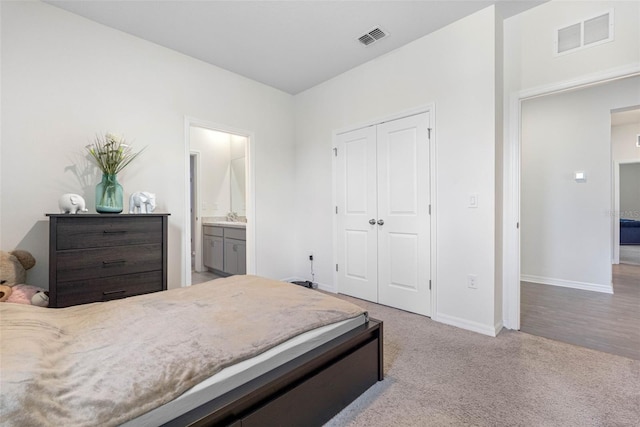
[[472, 281]]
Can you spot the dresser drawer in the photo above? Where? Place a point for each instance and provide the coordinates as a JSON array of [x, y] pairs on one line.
[[82, 233], [98, 257], [107, 262], [83, 292]]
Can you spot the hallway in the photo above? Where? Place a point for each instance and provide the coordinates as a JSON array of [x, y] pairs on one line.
[[604, 322]]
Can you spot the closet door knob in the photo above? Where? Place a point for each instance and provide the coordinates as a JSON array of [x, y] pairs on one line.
[[372, 221], [380, 222]]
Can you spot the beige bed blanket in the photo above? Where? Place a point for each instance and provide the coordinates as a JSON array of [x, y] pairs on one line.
[[102, 364]]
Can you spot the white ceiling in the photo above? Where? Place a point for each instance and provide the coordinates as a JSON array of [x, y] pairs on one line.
[[290, 45]]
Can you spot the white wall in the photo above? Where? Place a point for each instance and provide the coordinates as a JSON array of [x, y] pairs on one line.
[[626, 153], [630, 191], [529, 43], [64, 78], [565, 225], [532, 68], [454, 68], [215, 157], [624, 139]]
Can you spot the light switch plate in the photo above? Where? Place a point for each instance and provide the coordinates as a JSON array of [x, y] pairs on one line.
[[473, 200]]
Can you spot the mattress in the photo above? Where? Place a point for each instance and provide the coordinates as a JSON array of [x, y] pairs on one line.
[[111, 362], [245, 371]]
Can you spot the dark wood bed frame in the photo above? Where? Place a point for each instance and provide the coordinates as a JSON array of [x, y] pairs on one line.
[[307, 391]]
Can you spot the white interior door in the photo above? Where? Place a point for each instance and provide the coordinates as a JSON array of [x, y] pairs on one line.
[[383, 196], [357, 206], [404, 244]]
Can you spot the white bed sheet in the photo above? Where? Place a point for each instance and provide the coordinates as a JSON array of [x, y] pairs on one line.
[[245, 371]]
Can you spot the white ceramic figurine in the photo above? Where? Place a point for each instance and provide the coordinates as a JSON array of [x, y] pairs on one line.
[[71, 203], [142, 202]]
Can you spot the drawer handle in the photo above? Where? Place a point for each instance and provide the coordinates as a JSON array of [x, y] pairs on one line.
[[108, 293], [114, 231], [115, 261]]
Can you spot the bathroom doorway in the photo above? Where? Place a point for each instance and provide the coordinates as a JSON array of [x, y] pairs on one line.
[[220, 181]]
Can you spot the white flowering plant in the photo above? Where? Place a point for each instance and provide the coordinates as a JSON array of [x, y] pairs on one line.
[[111, 153]]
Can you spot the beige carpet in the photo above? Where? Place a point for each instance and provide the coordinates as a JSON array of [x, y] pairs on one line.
[[438, 375]]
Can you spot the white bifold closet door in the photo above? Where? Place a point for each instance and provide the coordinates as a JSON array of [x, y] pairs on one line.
[[383, 197]]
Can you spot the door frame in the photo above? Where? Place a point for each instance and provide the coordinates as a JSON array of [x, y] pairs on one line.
[[190, 122], [616, 206], [194, 215], [511, 181], [430, 109]]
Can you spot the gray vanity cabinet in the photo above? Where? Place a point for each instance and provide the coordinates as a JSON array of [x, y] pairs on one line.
[[213, 248], [225, 249], [235, 251]]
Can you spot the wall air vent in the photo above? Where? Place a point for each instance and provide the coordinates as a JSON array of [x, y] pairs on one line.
[[372, 36], [590, 32]]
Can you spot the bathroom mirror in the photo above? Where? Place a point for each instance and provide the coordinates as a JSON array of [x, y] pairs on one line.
[[221, 179], [238, 187]]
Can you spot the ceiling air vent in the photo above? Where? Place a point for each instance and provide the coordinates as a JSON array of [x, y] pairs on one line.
[[372, 36], [590, 32]]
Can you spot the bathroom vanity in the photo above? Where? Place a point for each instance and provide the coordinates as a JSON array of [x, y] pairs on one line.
[[224, 247]]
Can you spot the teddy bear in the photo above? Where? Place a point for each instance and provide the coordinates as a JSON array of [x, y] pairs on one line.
[[13, 274]]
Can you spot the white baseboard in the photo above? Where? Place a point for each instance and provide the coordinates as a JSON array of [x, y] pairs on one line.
[[595, 287], [327, 288], [480, 328], [321, 286]]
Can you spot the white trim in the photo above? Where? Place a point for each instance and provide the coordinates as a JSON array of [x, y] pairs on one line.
[[552, 281], [433, 165], [511, 234], [377, 121], [469, 325], [581, 82], [431, 110], [197, 239], [251, 185]]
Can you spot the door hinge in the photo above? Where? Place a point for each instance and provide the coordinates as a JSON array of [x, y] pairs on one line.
[[429, 284], [335, 151], [429, 209], [336, 267], [429, 132], [517, 225], [336, 209]]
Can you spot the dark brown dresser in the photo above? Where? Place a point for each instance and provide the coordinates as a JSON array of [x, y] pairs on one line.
[[100, 257]]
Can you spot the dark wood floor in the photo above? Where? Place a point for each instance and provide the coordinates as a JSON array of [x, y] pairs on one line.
[[604, 322]]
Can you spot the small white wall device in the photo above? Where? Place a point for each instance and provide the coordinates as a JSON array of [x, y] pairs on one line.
[[580, 177]]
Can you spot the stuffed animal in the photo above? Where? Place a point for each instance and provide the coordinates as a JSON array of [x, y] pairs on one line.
[[13, 274], [5, 293]]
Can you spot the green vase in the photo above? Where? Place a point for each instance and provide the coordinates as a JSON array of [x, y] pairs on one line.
[[109, 195]]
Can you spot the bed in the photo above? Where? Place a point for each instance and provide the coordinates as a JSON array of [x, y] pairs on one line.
[[629, 232], [158, 359]]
